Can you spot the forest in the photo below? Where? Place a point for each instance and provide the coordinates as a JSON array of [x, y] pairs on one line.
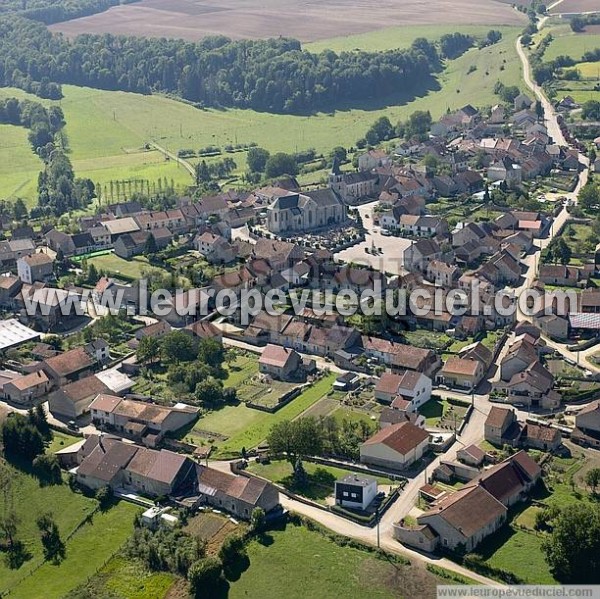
[[273, 75], [51, 11]]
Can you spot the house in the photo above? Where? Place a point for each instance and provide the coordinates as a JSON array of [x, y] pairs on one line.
[[36, 267], [109, 462], [123, 209], [520, 354], [420, 253], [355, 492], [120, 226], [372, 159], [441, 274], [238, 495], [306, 211], [413, 387], [280, 363], [68, 366], [541, 436], [26, 389], [588, 419], [131, 244], [531, 387], [156, 330], [101, 237], [172, 219], [141, 420], [551, 274], [400, 356], [512, 479], [280, 255], [351, 187], [73, 400], [216, 249], [501, 427], [395, 447], [59, 241], [464, 518], [9, 289], [462, 373], [204, 329], [422, 226], [505, 170], [522, 102], [471, 455]]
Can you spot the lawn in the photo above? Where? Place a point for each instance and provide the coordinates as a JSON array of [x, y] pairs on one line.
[[114, 265], [439, 412], [61, 441], [246, 427], [87, 551], [243, 368], [519, 552], [321, 479], [310, 565]]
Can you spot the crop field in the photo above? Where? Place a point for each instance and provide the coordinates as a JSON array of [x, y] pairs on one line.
[[307, 21], [570, 6]]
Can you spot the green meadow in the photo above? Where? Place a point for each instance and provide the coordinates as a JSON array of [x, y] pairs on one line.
[[107, 131]]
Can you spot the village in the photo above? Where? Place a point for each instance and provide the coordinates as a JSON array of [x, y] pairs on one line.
[[430, 431]]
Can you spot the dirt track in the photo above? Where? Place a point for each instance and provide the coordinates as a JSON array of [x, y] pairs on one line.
[[307, 20]]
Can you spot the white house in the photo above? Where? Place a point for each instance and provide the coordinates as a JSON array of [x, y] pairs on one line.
[[355, 491], [395, 447]]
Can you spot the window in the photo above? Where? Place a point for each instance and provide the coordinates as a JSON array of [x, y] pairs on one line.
[[353, 495], [345, 493]]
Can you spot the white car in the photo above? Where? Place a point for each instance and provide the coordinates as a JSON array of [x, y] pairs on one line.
[[386, 232]]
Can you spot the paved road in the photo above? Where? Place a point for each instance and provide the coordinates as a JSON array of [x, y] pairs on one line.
[[184, 163]]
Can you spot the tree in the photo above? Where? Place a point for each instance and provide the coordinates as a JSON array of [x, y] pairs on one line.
[[47, 469], [296, 438], [54, 548], [148, 350], [577, 24], [150, 248], [572, 550], [258, 520], [21, 439], [202, 172], [104, 496], [281, 164], [176, 347], [592, 479], [92, 274], [209, 391], [232, 554], [539, 110], [591, 110], [19, 209], [205, 577], [589, 196], [257, 159], [557, 252], [526, 39], [338, 153]]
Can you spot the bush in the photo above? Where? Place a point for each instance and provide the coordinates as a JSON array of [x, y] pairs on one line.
[[205, 577]]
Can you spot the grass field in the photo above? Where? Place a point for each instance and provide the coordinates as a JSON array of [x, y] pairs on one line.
[[87, 551], [246, 427], [107, 130], [589, 70], [316, 567], [61, 441], [19, 166], [567, 43], [114, 265]]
